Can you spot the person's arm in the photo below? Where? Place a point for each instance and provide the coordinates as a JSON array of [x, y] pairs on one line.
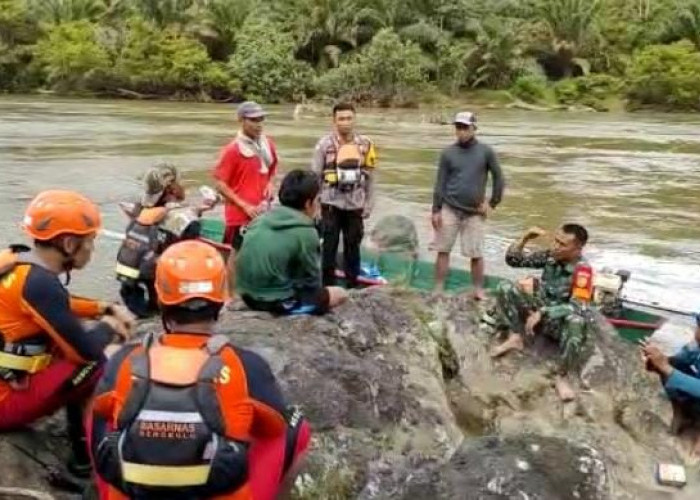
[[370, 165], [494, 166], [309, 260], [517, 256], [440, 183], [679, 381], [318, 160], [269, 406], [48, 302], [87, 308]]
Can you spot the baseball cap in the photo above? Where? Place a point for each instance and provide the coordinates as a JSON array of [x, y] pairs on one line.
[[465, 118], [250, 109], [156, 181]]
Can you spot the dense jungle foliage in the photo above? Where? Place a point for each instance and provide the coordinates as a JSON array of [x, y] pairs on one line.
[[380, 52]]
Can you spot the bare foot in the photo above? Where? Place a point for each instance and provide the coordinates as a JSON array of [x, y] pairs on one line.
[[479, 294], [513, 343], [565, 392]]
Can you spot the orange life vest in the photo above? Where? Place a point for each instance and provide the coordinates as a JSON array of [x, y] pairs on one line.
[[182, 424], [343, 165]]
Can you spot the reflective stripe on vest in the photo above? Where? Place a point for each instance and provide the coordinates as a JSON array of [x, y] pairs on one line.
[[29, 364], [160, 475], [127, 271]]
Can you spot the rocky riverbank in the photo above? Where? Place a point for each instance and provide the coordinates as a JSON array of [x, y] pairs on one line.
[[406, 403]]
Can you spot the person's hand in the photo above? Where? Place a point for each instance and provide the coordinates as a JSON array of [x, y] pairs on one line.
[[123, 314], [484, 210], [657, 360], [204, 207], [250, 210], [436, 220], [533, 232], [269, 193], [121, 328], [532, 321]]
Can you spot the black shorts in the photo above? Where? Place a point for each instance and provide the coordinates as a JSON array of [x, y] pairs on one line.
[[234, 236], [315, 302]]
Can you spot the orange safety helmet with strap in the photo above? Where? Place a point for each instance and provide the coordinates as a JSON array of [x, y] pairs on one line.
[[191, 270], [184, 415], [56, 212]]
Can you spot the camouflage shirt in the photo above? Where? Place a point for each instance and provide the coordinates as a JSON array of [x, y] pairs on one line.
[[556, 281]]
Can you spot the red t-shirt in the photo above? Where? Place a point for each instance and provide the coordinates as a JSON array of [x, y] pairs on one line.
[[245, 177]]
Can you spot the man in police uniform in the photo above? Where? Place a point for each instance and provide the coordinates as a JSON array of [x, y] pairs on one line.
[[345, 161]]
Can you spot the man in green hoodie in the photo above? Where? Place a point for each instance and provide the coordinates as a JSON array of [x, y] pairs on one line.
[[278, 266]]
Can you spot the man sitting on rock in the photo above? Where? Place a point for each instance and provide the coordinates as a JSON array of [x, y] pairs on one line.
[[680, 376], [544, 305], [278, 267]]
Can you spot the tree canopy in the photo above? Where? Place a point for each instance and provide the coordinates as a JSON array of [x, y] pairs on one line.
[[388, 52]]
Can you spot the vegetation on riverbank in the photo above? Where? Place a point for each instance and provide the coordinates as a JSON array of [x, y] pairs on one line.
[[382, 52]]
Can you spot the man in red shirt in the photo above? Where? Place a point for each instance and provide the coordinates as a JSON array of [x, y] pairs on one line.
[[244, 177]]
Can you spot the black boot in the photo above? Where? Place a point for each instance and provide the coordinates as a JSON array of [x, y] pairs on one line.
[[79, 463]]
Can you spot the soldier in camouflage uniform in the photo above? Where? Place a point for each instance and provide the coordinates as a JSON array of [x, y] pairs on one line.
[[543, 306]]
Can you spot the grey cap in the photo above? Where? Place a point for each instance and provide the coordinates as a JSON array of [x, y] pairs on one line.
[[465, 118], [250, 109]]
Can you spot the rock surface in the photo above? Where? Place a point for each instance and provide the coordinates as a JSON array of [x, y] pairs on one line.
[[406, 403]]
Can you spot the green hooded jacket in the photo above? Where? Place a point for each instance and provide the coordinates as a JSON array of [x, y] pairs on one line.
[[281, 253]]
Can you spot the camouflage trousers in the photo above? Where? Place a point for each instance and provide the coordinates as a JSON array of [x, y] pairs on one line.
[[513, 307]]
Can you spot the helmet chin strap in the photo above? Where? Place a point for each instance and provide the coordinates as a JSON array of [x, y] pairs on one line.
[[68, 261]]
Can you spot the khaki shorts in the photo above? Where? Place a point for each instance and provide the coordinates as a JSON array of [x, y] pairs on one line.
[[470, 229]]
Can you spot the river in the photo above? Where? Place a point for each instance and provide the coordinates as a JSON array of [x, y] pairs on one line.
[[632, 179]]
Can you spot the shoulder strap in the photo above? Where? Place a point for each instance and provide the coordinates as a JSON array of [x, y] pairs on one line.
[[224, 381], [132, 385]]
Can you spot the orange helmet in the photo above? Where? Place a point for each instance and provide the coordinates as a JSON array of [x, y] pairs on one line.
[[56, 212], [191, 270]]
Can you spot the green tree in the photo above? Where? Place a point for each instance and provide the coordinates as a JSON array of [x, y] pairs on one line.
[[71, 56], [219, 21], [167, 62], [323, 29], [685, 23], [387, 71], [18, 33], [165, 13], [665, 76], [264, 64], [571, 32]]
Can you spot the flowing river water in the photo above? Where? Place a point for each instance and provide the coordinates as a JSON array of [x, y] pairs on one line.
[[632, 179]]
